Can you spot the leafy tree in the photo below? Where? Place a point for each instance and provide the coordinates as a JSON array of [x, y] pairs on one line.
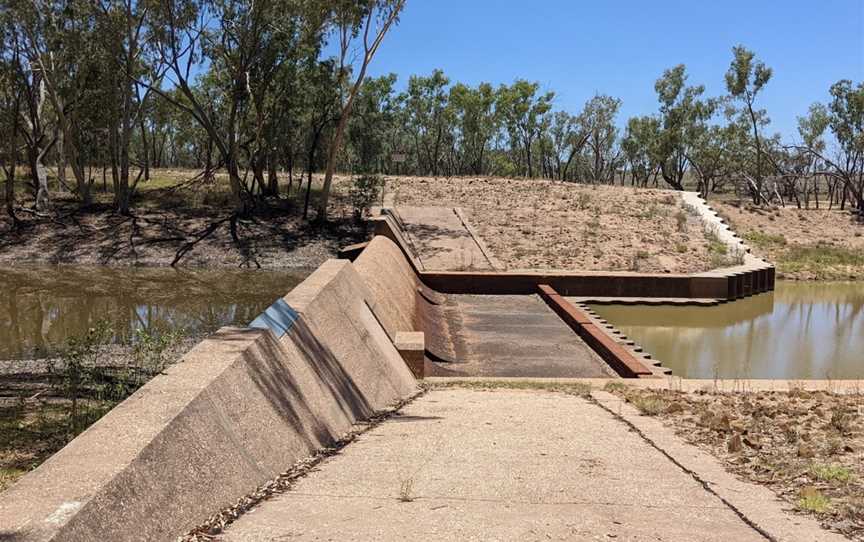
[[682, 114], [745, 78], [597, 122], [476, 123], [522, 111], [428, 116]]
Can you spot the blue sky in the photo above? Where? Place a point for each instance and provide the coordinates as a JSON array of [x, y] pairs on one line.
[[620, 48]]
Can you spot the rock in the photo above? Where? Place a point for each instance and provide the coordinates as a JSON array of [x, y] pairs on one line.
[[674, 407], [806, 451], [734, 444], [753, 441]]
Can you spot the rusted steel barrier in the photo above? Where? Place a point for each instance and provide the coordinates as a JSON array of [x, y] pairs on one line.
[[622, 361]]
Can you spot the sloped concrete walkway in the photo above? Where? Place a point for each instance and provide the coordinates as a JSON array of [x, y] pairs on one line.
[[459, 464], [443, 240]]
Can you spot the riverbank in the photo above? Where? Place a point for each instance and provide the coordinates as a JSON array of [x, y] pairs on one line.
[[803, 244], [37, 415], [176, 216]]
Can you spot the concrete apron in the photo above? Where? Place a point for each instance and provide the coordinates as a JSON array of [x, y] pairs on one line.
[[241, 407]]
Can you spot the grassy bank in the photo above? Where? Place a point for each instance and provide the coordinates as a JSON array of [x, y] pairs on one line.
[[804, 244]]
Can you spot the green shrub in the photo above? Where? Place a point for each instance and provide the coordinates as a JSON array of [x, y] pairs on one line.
[[363, 193]]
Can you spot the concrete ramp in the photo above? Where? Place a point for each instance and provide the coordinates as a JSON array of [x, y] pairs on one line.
[[443, 239], [243, 406]]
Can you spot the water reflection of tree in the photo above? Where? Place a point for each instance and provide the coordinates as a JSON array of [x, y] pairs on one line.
[[812, 332], [45, 306]]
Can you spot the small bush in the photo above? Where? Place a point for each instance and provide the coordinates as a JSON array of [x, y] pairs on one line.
[[363, 194], [648, 405], [762, 240], [831, 473], [812, 500]]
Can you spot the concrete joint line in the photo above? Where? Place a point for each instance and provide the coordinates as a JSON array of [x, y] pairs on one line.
[[704, 483]]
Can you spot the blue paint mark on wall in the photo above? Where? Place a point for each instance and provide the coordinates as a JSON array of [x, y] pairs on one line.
[[278, 317]]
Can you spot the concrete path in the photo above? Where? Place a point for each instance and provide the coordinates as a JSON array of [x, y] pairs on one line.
[[443, 240], [501, 465]]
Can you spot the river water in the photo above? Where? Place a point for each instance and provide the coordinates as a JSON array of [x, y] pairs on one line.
[[41, 307], [802, 330]]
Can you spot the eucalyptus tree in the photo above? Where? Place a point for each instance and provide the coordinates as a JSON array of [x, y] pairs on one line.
[[374, 117], [60, 44], [522, 112], [681, 113], [597, 122], [241, 45], [476, 123], [845, 117], [641, 148], [367, 22], [11, 97], [745, 79], [120, 29], [428, 115]]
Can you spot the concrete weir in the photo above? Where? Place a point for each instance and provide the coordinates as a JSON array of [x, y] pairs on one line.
[[348, 342], [241, 407]]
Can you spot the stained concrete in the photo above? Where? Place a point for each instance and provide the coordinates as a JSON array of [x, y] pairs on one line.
[[442, 240], [518, 336], [502, 465]]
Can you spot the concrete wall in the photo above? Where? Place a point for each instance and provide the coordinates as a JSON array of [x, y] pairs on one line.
[[752, 277], [242, 407]]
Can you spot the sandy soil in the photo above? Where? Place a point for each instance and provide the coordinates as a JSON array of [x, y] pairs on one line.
[[806, 446], [554, 225], [806, 244]]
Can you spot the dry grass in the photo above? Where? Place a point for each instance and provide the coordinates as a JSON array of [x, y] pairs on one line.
[[538, 224], [806, 446], [807, 244]]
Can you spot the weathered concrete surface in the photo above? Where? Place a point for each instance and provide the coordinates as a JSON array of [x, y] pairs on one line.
[[242, 406], [442, 240], [755, 502], [502, 465], [518, 336]]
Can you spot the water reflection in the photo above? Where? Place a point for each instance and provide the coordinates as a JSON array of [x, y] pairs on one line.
[[802, 330], [41, 307]]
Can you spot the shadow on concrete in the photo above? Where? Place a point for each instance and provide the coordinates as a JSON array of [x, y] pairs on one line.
[[331, 373]]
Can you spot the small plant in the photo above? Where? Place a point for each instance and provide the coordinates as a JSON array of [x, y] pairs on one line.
[[831, 473], [762, 240], [681, 221], [613, 387], [812, 500], [680, 248], [583, 201], [648, 405], [363, 193], [406, 490]]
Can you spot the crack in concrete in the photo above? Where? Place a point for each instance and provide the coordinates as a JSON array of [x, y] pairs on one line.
[[704, 483]]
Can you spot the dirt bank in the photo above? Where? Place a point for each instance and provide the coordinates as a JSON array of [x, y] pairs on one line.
[[169, 216], [804, 244], [806, 446], [536, 224]]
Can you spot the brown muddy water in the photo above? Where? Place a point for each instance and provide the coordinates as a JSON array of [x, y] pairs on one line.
[[800, 331], [42, 307]]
